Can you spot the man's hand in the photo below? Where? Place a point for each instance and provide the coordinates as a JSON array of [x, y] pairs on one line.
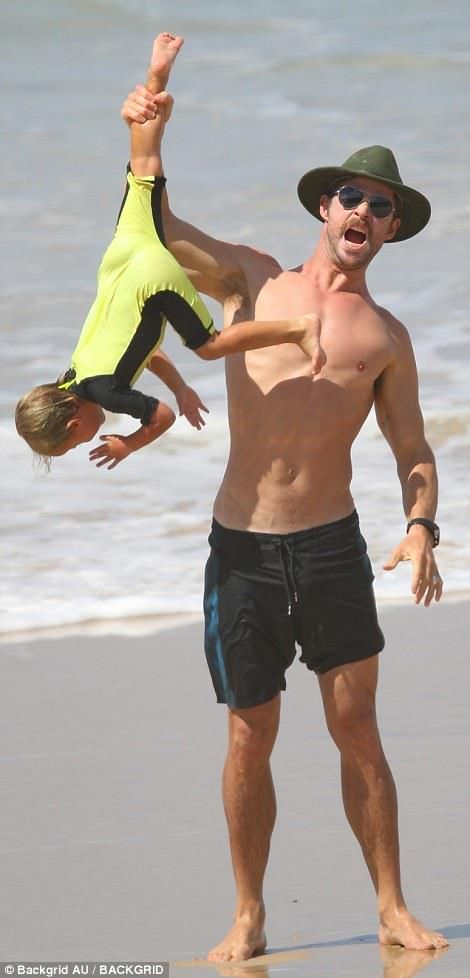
[[310, 341], [190, 406], [114, 450], [140, 105], [426, 581]]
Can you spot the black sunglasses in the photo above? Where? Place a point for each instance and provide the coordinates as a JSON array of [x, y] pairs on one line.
[[351, 197]]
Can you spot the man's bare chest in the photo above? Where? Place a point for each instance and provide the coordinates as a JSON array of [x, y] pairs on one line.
[[354, 333]]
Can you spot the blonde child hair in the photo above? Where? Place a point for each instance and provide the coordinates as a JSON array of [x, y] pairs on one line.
[[41, 418]]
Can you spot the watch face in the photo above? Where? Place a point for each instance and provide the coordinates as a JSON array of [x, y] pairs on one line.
[[436, 534]]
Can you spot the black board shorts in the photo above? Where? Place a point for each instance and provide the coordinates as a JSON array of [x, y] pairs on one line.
[[266, 592]]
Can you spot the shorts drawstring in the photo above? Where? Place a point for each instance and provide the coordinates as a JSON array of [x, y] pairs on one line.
[[286, 560]]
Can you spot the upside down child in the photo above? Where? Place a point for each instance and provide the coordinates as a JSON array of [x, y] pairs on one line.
[[140, 288]]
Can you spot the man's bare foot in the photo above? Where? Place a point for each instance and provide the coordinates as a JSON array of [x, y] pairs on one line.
[[245, 939], [164, 51], [403, 929]]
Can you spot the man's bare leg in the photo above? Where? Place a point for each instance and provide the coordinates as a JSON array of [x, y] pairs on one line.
[[369, 796], [250, 809]]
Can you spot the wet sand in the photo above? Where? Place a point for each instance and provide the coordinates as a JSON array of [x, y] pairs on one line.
[[113, 837]]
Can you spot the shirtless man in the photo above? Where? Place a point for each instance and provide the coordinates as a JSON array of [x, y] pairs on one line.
[[288, 562]]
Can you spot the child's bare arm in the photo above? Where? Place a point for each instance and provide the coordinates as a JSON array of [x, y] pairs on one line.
[[256, 334], [189, 402], [115, 448]]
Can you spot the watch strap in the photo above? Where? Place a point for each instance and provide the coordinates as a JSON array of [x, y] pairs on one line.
[[429, 524]]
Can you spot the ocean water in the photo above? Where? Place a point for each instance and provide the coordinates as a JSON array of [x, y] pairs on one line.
[[263, 92]]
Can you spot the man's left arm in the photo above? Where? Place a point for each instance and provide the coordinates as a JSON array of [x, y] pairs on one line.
[[401, 422]]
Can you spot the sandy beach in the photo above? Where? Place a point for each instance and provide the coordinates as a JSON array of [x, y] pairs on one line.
[[113, 838]]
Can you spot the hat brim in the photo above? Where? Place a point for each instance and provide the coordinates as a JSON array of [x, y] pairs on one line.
[[416, 207]]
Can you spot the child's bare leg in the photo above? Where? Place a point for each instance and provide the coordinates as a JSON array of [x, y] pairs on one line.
[[164, 51], [146, 138]]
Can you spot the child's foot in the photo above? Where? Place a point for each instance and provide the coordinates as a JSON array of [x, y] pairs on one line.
[[165, 49]]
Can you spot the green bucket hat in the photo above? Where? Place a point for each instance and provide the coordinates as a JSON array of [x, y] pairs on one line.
[[376, 163]]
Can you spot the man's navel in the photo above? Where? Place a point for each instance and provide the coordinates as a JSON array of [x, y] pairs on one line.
[[283, 473]]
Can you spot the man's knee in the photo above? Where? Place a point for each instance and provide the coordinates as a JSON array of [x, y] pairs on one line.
[[349, 703], [353, 727], [252, 732]]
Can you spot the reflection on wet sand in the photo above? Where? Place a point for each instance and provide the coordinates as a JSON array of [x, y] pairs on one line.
[[256, 971], [397, 963], [400, 963], [258, 966]]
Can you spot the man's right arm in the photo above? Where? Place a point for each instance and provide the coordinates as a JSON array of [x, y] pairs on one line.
[[214, 267]]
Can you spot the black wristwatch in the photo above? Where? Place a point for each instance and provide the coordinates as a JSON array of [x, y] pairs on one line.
[[432, 527]]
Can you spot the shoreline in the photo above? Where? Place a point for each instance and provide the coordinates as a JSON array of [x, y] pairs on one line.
[[138, 626], [142, 625]]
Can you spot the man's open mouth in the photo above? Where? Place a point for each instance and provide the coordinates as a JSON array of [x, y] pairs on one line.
[[354, 236]]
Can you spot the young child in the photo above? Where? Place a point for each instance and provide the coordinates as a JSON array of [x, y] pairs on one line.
[[140, 287]]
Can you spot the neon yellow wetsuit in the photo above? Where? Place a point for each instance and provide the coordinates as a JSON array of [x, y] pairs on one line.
[[140, 286]]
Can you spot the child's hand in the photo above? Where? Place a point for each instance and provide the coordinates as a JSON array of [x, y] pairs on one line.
[[190, 406], [114, 450], [310, 342]]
